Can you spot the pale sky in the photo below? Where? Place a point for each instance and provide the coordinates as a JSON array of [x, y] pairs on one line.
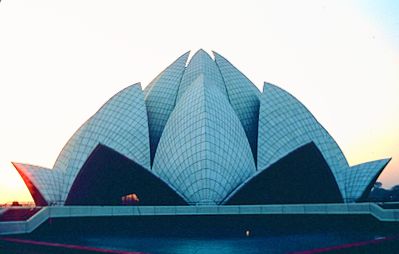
[[61, 60]]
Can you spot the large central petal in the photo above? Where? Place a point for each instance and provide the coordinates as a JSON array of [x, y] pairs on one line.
[[204, 153]]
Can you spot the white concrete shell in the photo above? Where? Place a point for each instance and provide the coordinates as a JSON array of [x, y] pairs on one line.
[[160, 98], [360, 178], [120, 124], [205, 129], [243, 97], [201, 64], [203, 152], [43, 183], [286, 124]]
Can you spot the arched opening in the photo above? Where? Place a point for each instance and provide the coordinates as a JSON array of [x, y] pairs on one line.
[[303, 176], [107, 176]]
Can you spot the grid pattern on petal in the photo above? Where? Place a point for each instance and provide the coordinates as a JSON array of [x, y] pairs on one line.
[[285, 124], [201, 63], [203, 152], [244, 98], [120, 124], [47, 181], [160, 97], [359, 177]]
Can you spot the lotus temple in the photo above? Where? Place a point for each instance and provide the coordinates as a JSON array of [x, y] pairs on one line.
[[200, 134]]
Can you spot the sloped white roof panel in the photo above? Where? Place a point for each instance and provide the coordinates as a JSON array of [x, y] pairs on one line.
[[286, 124], [120, 124], [243, 97], [360, 177], [203, 152], [160, 98], [201, 64], [47, 181]]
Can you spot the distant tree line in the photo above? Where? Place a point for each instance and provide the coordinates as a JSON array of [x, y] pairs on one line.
[[379, 194]]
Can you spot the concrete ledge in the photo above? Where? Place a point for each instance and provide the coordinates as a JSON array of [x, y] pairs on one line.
[[315, 209], [294, 209], [74, 211], [59, 212], [228, 210], [185, 210], [358, 208], [37, 219], [272, 209], [19, 227], [337, 209], [101, 211], [12, 227], [250, 209], [122, 211], [165, 210], [205, 210], [146, 210]]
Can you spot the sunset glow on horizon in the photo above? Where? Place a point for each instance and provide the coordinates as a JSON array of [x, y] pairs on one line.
[[60, 61]]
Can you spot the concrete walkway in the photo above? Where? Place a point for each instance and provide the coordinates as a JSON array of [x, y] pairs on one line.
[[21, 227]]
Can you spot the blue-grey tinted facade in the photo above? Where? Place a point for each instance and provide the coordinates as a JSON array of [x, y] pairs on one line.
[[160, 99], [201, 133], [286, 124], [201, 63], [204, 153], [361, 178], [243, 97], [120, 124]]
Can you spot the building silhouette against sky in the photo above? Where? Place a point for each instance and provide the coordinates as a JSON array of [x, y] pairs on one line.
[[201, 134]]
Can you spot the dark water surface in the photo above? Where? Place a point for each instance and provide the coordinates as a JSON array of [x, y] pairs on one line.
[[212, 234], [258, 244]]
